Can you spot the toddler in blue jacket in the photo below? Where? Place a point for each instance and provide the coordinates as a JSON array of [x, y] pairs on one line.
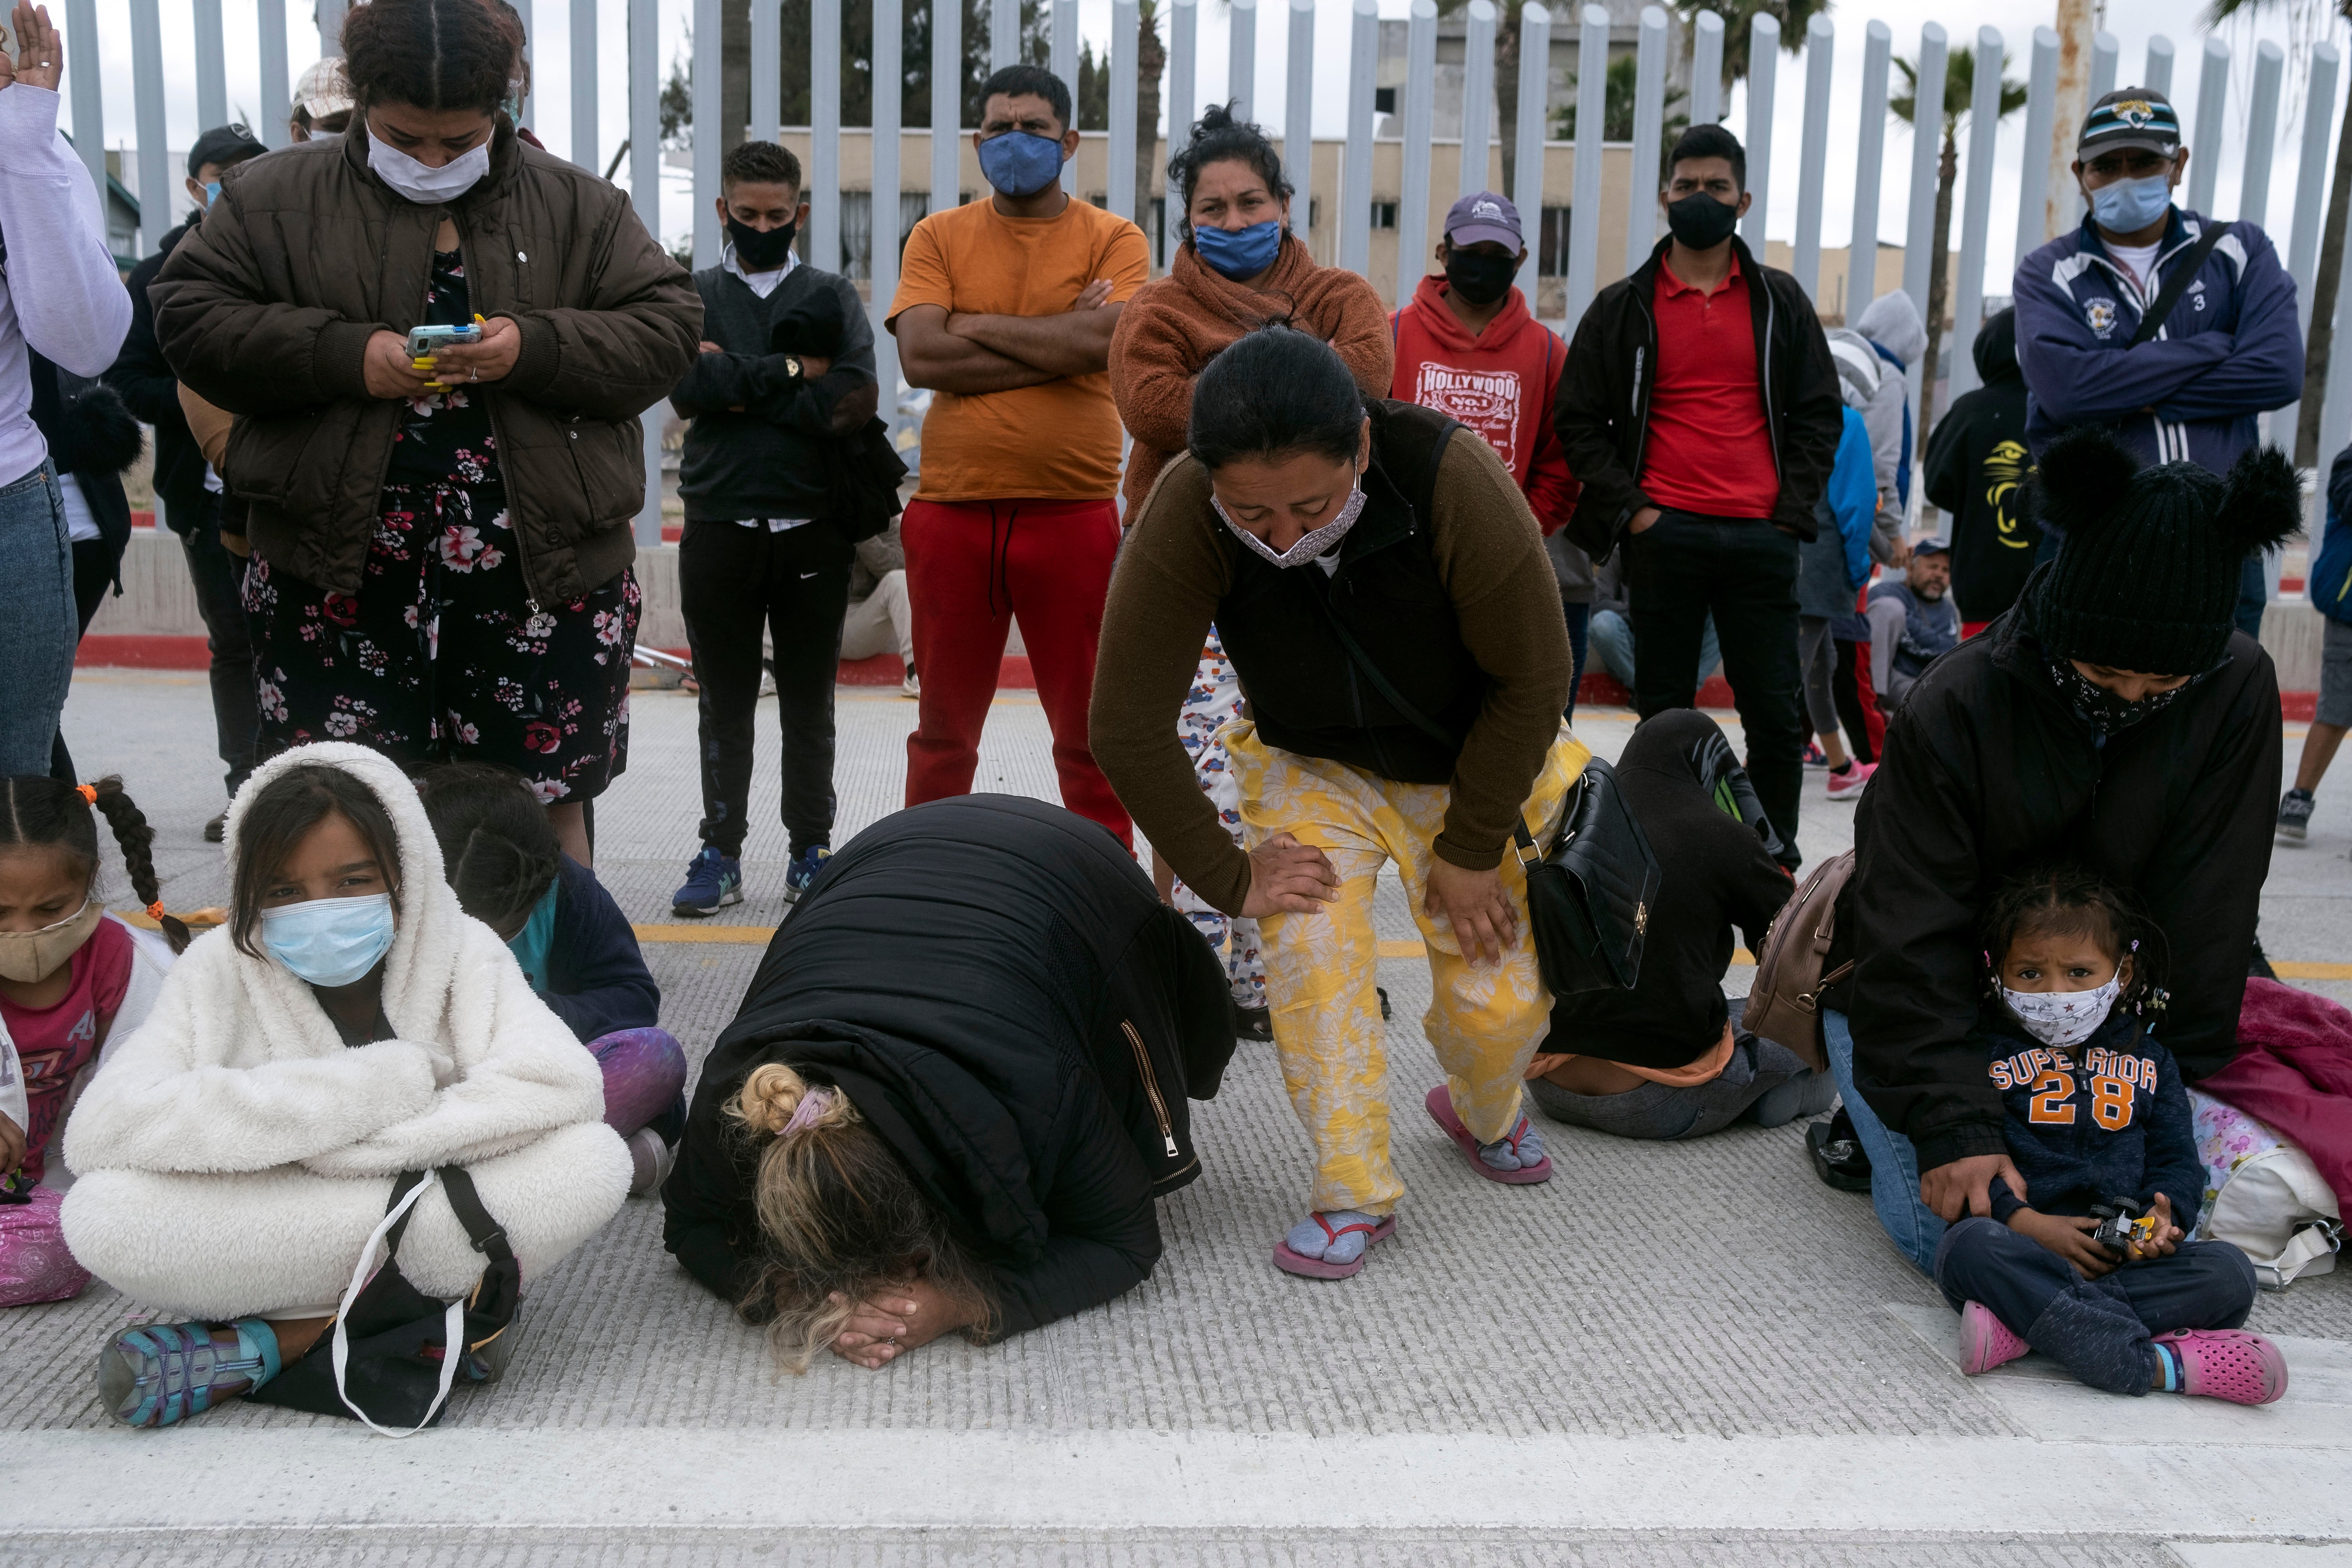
[[2097, 1118]]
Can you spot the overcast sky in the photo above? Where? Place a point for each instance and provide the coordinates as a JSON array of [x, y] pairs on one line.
[[2132, 21]]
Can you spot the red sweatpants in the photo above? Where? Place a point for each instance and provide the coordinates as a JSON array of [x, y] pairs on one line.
[[972, 567]]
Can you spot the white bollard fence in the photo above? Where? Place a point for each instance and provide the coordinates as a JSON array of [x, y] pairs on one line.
[[1387, 157]]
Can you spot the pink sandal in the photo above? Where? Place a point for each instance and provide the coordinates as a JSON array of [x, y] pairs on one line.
[[1298, 1263], [2227, 1364], [1441, 1110], [1986, 1341]]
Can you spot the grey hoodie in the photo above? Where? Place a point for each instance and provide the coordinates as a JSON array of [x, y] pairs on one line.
[[1891, 322]]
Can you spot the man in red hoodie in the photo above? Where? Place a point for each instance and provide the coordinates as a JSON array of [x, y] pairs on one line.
[[1468, 347]]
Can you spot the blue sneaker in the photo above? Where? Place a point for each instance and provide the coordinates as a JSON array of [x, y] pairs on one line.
[[801, 869], [712, 882]]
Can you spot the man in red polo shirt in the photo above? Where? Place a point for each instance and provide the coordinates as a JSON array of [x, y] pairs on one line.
[[1699, 408]]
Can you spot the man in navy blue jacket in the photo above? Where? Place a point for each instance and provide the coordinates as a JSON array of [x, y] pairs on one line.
[[2229, 349]]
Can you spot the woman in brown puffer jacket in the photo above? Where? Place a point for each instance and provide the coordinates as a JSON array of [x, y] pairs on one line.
[[440, 555]]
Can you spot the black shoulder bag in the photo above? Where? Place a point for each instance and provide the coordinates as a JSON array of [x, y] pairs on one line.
[[1588, 898], [2177, 284], [394, 1353]]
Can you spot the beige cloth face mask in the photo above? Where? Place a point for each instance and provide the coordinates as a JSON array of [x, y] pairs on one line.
[[28, 956]]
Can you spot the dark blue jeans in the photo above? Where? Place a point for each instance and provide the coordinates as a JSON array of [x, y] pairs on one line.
[[1580, 618], [2098, 1329], [1910, 1225], [40, 628]]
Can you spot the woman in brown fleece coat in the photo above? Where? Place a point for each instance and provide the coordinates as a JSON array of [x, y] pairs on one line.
[[1233, 185]]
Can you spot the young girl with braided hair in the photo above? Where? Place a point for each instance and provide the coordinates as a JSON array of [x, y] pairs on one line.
[[71, 977]]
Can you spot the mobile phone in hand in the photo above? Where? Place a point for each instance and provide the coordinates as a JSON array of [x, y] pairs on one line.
[[425, 341]]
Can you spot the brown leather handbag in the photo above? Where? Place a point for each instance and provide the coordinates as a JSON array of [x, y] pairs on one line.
[[1785, 1005]]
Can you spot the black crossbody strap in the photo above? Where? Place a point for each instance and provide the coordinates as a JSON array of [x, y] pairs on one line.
[[1395, 699], [2177, 284], [490, 1239]]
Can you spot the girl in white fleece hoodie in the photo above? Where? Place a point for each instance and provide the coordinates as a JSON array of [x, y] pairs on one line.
[[349, 1023]]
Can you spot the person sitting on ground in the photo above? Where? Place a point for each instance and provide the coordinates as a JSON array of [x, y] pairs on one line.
[[71, 976], [1975, 472], [2330, 591], [1913, 620], [1382, 589], [2115, 717], [1664, 1059], [976, 1146], [880, 620], [1832, 567], [575, 946], [350, 1023], [785, 374], [2094, 1111]]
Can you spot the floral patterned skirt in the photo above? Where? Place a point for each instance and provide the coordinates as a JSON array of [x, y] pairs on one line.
[[441, 656]]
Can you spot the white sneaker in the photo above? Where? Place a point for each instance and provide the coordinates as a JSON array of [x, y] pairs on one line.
[[912, 686]]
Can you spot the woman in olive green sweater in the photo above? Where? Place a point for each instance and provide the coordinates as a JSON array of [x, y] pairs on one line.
[[1383, 590]]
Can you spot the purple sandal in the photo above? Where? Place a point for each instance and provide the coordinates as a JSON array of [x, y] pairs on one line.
[[1298, 1263], [1441, 1110]]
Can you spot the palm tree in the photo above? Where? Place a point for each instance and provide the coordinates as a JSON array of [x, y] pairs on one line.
[[1960, 92], [2331, 237], [1738, 15], [1150, 60]]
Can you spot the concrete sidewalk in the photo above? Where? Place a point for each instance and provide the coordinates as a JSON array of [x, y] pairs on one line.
[[1669, 1354]]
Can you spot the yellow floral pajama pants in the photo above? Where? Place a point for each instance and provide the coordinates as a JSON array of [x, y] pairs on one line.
[[1484, 1022]]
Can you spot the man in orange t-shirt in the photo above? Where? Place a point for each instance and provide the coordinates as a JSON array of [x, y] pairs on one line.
[[1005, 310]]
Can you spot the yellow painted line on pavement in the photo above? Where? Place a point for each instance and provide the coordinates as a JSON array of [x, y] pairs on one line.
[[1410, 948], [745, 934]]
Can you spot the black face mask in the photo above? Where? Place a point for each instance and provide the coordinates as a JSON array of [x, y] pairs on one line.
[[1479, 279], [759, 249], [2102, 708], [1701, 221]]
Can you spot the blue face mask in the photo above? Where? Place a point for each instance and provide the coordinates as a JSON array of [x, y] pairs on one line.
[[2129, 206], [1240, 253], [1019, 164], [212, 192], [329, 941]]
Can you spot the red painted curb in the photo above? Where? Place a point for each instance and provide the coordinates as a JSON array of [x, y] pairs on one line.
[[884, 670]]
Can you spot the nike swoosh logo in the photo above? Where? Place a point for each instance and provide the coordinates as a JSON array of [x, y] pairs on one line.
[[806, 576]]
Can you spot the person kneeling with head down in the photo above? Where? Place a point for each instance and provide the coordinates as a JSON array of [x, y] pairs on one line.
[[349, 1026], [975, 1147], [1383, 590]]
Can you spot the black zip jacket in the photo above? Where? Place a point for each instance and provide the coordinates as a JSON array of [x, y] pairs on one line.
[[1602, 408], [1976, 470], [993, 984], [1988, 771], [141, 375]]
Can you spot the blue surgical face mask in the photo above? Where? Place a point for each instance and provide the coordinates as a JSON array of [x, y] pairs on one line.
[[2129, 206], [1240, 253], [212, 193], [1019, 163], [329, 941]]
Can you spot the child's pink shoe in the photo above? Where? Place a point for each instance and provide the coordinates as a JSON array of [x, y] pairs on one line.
[[2227, 1364], [1984, 1341]]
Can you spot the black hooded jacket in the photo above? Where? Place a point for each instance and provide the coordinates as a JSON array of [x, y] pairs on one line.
[[1976, 471], [1988, 772], [1714, 872], [996, 988]]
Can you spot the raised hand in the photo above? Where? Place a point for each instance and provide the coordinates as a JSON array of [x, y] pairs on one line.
[[40, 51]]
